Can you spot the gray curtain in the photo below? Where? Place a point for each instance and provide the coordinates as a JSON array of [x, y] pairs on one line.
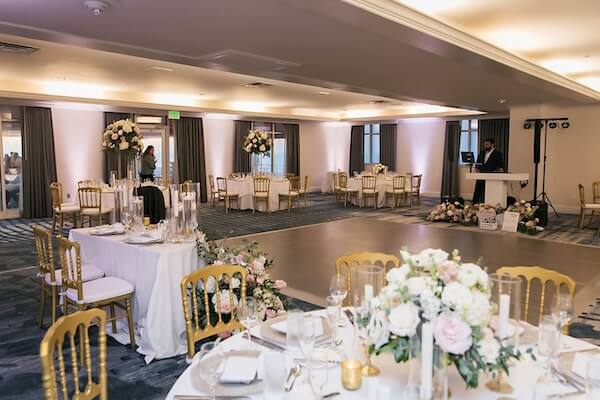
[[111, 162], [357, 153], [496, 129], [387, 145], [450, 184], [291, 133], [39, 162], [189, 136], [241, 159]]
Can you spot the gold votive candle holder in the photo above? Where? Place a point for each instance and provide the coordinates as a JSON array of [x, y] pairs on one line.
[[146, 221], [351, 374]]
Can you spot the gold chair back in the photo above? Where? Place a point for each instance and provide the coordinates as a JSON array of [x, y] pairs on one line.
[[290, 175], [222, 184], [581, 195], [90, 198], [56, 194], [70, 263], [211, 182], [86, 183], [346, 264], [294, 184], [399, 183], [187, 186], [43, 247], [336, 181], [531, 274], [200, 320], [63, 333], [596, 192], [306, 183], [343, 180], [369, 182], [261, 185], [415, 182]]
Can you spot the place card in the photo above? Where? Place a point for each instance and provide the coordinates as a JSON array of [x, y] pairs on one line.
[[510, 221], [239, 369]]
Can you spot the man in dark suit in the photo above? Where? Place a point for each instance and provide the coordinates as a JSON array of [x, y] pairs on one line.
[[489, 160]]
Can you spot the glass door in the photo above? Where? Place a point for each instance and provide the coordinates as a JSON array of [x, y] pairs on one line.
[[275, 162], [11, 173], [164, 150]]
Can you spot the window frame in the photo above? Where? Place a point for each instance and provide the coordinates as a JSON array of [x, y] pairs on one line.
[[368, 136], [472, 134]]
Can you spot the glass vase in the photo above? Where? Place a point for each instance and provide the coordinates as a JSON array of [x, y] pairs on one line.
[[428, 371], [137, 211]]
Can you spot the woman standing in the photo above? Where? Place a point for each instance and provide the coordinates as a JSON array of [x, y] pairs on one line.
[[148, 164]]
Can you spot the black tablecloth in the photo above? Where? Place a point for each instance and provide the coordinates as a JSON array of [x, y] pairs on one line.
[[154, 202]]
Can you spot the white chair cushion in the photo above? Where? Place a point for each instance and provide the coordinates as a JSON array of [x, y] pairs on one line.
[[261, 194], [88, 273], [369, 191], [301, 191], [230, 194], [593, 206], [67, 207], [397, 191], [348, 190], [94, 211], [102, 289]]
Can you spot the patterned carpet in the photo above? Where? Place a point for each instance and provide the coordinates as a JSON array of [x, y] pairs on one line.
[[129, 377]]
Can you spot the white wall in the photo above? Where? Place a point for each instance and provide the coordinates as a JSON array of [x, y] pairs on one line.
[[572, 153], [420, 150], [324, 146], [78, 147], [218, 145]]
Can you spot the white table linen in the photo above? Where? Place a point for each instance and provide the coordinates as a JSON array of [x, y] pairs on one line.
[[245, 188], [156, 272], [522, 377], [383, 183], [108, 196]]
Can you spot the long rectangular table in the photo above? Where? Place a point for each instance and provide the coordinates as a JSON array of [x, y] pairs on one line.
[[156, 272]]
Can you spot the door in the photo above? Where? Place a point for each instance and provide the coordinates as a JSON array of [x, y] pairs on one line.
[[11, 173], [164, 150]]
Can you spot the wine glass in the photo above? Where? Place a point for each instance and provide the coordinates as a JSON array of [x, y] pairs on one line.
[[307, 336], [210, 358], [247, 315], [338, 289], [548, 350], [562, 309], [332, 321], [126, 218], [318, 376]]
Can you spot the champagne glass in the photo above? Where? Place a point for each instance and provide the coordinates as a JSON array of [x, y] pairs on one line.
[[548, 350], [126, 218], [318, 376], [332, 321], [210, 358], [338, 289], [562, 309], [307, 336], [247, 315]]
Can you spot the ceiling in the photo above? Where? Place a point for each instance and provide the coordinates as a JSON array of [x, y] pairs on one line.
[[560, 36], [356, 50]]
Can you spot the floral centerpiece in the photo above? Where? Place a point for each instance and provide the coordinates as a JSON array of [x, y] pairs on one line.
[[259, 284], [454, 296], [379, 169], [528, 222], [123, 135], [257, 142]]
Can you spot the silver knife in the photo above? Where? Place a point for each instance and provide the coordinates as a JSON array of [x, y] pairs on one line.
[[268, 344]]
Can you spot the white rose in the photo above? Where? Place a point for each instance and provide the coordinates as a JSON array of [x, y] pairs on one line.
[[211, 284], [127, 128], [477, 312], [251, 135], [248, 148], [397, 276], [404, 319], [235, 283], [120, 132], [489, 347], [136, 130], [123, 146], [416, 285], [430, 304], [471, 274], [456, 296], [262, 148]]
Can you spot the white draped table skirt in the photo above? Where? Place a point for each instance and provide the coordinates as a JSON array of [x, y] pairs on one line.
[[245, 188]]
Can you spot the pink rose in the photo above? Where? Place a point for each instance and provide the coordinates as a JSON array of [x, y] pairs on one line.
[[260, 280], [218, 262], [452, 334], [279, 284], [250, 278], [448, 271]]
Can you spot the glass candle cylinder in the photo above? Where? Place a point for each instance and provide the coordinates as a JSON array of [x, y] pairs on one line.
[[367, 281], [137, 210]]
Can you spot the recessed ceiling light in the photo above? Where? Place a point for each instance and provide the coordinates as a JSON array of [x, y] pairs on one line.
[[257, 85], [324, 93], [378, 102], [157, 68], [586, 56], [501, 101], [96, 6]]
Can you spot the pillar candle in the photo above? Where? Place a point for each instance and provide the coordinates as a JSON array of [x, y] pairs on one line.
[[426, 359], [368, 292], [503, 312]]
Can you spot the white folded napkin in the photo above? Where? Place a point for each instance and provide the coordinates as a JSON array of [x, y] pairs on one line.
[[239, 369], [145, 237], [281, 327], [581, 362]]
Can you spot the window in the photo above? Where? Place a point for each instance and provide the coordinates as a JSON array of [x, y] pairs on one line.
[[371, 143], [275, 162], [468, 136]]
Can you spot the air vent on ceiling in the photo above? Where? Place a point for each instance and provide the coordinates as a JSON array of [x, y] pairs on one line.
[[258, 85], [17, 48], [379, 102]]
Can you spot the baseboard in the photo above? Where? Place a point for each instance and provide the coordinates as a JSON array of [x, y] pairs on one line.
[[430, 194]]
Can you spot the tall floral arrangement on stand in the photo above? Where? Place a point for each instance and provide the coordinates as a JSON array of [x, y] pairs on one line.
[[257, 142], [123, 135], [259, 284], [379, 169], [433, 286]]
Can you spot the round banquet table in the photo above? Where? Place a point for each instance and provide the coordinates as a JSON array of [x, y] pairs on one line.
[[245, 188], [383, 183], [523, 374]]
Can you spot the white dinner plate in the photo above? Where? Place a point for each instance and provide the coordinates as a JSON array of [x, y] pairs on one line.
[[144, 238], [107, 231]]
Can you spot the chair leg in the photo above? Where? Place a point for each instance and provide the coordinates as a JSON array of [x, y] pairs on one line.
[[113, 321], [226, 202], [375, 201], [42, 303], [53, 223], [130, 322], [289, 204], [253, 205], [305, 201], [581, 217], [53, 304]]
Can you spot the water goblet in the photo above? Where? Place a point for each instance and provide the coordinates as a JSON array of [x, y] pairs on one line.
[[338, 289], [211, 357], [247, 314]]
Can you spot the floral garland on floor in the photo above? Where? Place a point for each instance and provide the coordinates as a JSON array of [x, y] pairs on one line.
[[528, 222], [436, 287], [259, 284], [257, 142]]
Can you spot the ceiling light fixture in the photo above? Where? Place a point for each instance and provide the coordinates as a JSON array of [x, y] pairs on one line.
[[157, 68], [501, 101], [96, 6], [324, 93]]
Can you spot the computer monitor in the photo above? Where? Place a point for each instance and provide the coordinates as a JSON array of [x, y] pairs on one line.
[[467, 157]]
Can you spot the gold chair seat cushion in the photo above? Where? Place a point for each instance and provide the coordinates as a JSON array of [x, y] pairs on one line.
[[301, 191], [289, 194], [94, 211], [349, 190], [67, 207], [229, 194], [370, 191], [592, 206], [261, 194], [102, 289], [396, 191], [88, 273]]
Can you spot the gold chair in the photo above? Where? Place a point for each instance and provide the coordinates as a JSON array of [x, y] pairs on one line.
[[415, 188], [585, 207], [346, 264], [289, 175], [543, 275], [347, 192], [80, 295], [87, 183], [337, 190], [90, 205], [214, 193], [596, 192], [50, 278], [293, 193], [224, 194], [63, 332], [262, 186], [398, 190], [369, 189], [304, 191], [60, 209], [187, 186], [200, 321]]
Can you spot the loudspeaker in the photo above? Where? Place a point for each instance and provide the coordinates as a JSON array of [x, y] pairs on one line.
[[537, 141], [542, 212]]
